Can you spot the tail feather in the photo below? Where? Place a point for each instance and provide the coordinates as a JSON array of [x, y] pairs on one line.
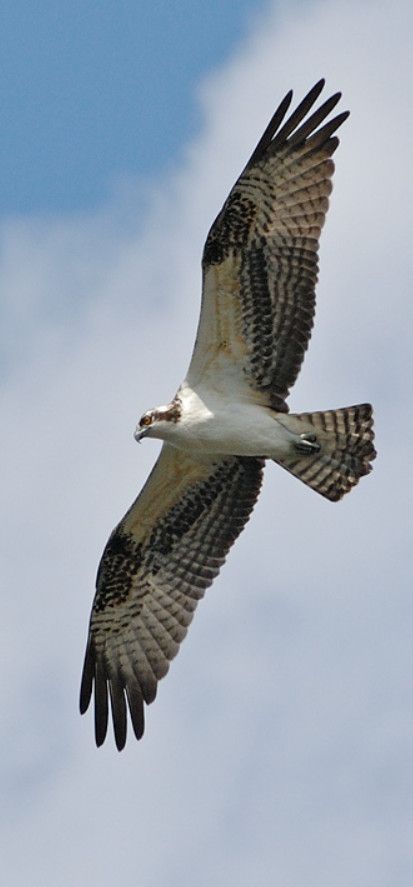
[[346, 439]]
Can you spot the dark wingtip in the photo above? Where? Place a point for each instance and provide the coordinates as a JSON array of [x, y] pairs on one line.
[[136, 709], [101, 729], [296, 118], [317, 88], [101, 705], [268, 134], [86, 685], [120, 741], [273, 134], [118, 705], [99, 738], [340, 118]]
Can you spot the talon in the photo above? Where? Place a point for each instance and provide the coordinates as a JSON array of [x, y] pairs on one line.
[[308, 444]]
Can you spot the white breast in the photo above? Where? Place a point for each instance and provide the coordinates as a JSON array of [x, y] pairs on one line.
[[210, 424]]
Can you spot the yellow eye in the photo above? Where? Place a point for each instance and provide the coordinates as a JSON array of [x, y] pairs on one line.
[[146, 420]]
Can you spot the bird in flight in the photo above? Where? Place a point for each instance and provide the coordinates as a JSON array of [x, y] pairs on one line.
[[228, 417]]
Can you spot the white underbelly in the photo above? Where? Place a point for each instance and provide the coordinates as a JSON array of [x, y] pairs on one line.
[[242, 431]]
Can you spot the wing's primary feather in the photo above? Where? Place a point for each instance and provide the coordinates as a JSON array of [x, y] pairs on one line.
[[260, 260], [156, 566]]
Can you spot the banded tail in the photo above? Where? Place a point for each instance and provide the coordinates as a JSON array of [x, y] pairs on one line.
[[345, 437]]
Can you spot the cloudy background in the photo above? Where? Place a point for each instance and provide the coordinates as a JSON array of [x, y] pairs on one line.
[[280, 747]]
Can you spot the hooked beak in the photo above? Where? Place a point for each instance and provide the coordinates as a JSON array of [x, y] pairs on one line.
[[139, 433]]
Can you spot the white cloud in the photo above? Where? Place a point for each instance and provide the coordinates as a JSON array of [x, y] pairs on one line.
[[279, 749]]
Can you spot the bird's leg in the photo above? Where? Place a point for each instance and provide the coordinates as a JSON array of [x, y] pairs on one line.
[[307, 444]]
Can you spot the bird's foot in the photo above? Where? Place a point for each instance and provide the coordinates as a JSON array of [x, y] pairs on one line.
[[307, 444]]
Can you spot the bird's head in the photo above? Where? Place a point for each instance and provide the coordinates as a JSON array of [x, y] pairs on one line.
[[155, 423]]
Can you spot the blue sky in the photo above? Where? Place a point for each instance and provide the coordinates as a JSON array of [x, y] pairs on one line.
[[91, 91], [279, 749]]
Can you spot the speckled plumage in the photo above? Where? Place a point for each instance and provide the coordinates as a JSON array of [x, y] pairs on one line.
[[260, 266], [262, 250], [150, 580]]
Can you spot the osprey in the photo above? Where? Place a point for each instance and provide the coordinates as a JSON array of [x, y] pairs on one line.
[[229, 415]]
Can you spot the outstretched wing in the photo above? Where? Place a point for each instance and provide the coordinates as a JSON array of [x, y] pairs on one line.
[[156, 566], [260, 260]]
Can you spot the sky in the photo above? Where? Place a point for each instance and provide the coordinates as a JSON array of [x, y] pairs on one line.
[[92, 91], [280, 747]]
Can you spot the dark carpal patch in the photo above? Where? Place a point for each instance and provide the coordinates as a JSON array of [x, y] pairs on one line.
[[231, 228], [120, 562]]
